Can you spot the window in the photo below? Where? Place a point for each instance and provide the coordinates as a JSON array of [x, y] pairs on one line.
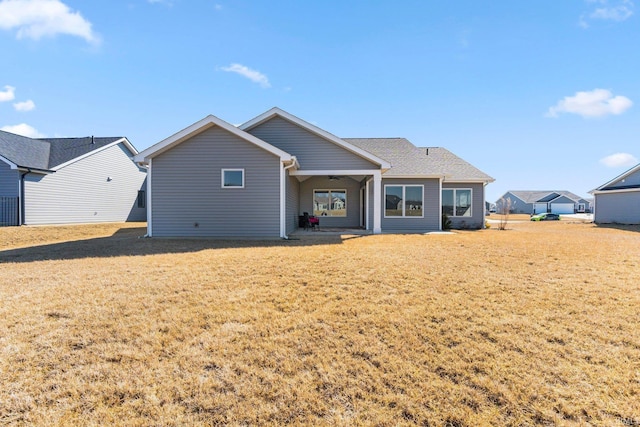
[[456, 202], [141, 199], [330, 202], [232, 178], [403, 201]]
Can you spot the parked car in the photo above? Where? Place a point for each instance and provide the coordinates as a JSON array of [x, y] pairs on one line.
[[545, 217]]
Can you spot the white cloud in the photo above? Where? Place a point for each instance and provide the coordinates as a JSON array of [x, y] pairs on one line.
[[597, 103], [608, 10], [24, 130], [24, 106], [39, 18], [167, 2], [253, 75], [620, 11], [8, 94], [618, 160]]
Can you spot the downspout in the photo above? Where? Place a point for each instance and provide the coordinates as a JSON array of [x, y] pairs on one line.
[[22, 204], [283, 198]]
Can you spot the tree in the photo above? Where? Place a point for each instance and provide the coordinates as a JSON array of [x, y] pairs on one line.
[[504, 207]]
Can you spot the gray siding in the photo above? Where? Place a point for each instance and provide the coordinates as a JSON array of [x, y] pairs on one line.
[[187, 198], [618, 208], [293, 201], [629, 181], [8, 181], [431, 208], [517, 205], [563, 199], [312, 151], [81, 191], [322, 183], [477, 207]]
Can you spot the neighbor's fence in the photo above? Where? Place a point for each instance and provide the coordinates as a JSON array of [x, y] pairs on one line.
[[9, 211]]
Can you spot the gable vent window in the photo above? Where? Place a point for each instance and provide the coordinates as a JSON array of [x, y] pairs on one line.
[[232, 178]]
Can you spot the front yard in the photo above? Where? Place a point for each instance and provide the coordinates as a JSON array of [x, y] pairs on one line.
[[535, 325]]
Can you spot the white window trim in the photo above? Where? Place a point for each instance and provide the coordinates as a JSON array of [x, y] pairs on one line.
[[404, 187], [231, 186], [329, 190], [454, 201]]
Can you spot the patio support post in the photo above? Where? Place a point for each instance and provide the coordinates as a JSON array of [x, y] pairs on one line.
[[377, 202]]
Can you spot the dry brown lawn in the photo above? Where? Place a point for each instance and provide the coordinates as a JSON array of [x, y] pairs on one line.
[[535, 325]]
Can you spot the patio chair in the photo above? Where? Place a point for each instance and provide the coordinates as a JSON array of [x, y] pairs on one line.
[[310, 221]]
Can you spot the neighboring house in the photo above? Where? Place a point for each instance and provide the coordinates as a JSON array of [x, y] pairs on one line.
[[216, 179], [535, 202], [69, 180], [618, 201]]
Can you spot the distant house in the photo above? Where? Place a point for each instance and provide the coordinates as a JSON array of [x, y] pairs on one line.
[[535, 202], [618, 201], [216, 179], [69, 180]]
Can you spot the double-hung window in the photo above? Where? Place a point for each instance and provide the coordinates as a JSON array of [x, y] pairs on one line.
[[330, 202], [457, 202], [403, 201], [232, 178]]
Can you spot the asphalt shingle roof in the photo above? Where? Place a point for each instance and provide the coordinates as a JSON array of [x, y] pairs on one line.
[[47, 153], [543, 196], [408, 160]]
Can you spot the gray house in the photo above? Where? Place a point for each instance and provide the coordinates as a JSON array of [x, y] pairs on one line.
[[69, 180], [554, 201], [618, 201], [216, 179]]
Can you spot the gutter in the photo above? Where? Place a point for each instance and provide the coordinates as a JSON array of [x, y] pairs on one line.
[[22, 203], [283, 197]]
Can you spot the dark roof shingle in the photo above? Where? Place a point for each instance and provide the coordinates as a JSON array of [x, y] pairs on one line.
[[47, 153], [408, 160]]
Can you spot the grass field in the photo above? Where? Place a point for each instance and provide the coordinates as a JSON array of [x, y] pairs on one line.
[[535, 325]]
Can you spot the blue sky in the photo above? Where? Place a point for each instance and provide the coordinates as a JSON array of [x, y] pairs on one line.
[[541, 94]]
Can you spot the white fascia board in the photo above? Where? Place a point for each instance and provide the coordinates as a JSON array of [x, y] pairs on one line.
[[200, 126], [617, 178], [275, 111], [469, 181], [621, 190], [432, 176], [91, 153], [9, 162], [333, 172]]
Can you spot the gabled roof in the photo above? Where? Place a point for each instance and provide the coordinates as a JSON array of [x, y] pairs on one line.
[[608, 185], [344, 143], [544, 196], [201, 126], [411, 161], [49, 154]]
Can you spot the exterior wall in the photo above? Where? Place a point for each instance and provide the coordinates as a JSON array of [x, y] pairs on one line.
[[323, 183], [187, 198], [563, 199], [8, 181], [517, 205], [312, 151], [618, 208], [629, 181], [477, 218], [431, 208], [82, 193], [293, 201]]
